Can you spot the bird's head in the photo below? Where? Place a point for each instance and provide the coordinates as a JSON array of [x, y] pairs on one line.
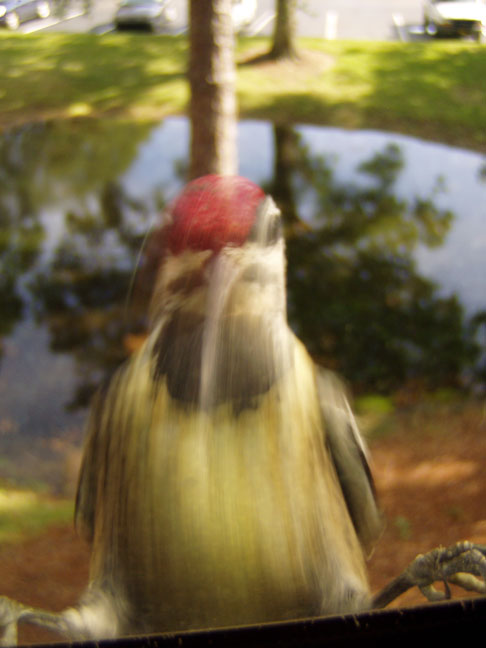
[[213, 212], [220, 241]]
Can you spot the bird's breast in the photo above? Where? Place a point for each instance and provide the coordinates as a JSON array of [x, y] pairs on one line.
[[233, 516]]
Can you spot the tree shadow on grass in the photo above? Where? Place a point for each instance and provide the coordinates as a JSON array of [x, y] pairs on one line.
[[109, 72], [427, 89]]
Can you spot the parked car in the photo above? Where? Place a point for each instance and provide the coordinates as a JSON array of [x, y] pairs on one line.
[[14, 12], [150, 14], [455, 18]]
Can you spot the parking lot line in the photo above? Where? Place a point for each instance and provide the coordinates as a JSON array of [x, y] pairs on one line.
[[399, 23], [261, 23], [330, 25], [49, 22]]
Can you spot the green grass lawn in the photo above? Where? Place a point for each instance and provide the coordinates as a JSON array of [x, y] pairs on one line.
[[434, 90], [24, 513]]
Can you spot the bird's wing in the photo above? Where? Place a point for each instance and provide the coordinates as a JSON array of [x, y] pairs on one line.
[[106, 433], [91, 469], [350, 458], [115, 449]]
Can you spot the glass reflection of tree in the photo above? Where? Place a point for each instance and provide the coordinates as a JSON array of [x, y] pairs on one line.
[[478, 331], [355, 295], [80, 288], [83, 295], [19, 245], [482, 172], [21, 234]]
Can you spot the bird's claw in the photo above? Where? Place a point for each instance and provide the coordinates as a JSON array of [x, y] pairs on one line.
[[463, 564], [10, 612]]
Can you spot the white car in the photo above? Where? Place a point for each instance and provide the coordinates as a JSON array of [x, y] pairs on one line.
[[150, 14], [455, 18], [14, 12]]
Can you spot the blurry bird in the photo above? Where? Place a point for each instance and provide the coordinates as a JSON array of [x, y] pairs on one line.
[[224, 480]]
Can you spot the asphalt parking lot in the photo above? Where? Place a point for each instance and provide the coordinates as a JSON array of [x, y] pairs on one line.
[[378, 20]]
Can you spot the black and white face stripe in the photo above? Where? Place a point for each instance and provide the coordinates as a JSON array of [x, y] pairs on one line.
[[267, 228], [245, 365], [224, 324]]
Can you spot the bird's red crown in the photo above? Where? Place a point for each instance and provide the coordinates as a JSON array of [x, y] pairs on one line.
[[212, 212]]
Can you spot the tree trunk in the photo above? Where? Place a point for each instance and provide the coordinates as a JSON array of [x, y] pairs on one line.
[[284, 32], [286, 163], [212, 81]]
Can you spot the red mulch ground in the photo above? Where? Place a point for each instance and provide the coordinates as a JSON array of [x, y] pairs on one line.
[[430, 476]]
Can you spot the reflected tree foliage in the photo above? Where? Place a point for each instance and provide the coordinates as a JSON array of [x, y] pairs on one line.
[[84, 294], [69, 174], [482, 172], [21, 233], [355, 295], [478, 331], [47, 164]]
